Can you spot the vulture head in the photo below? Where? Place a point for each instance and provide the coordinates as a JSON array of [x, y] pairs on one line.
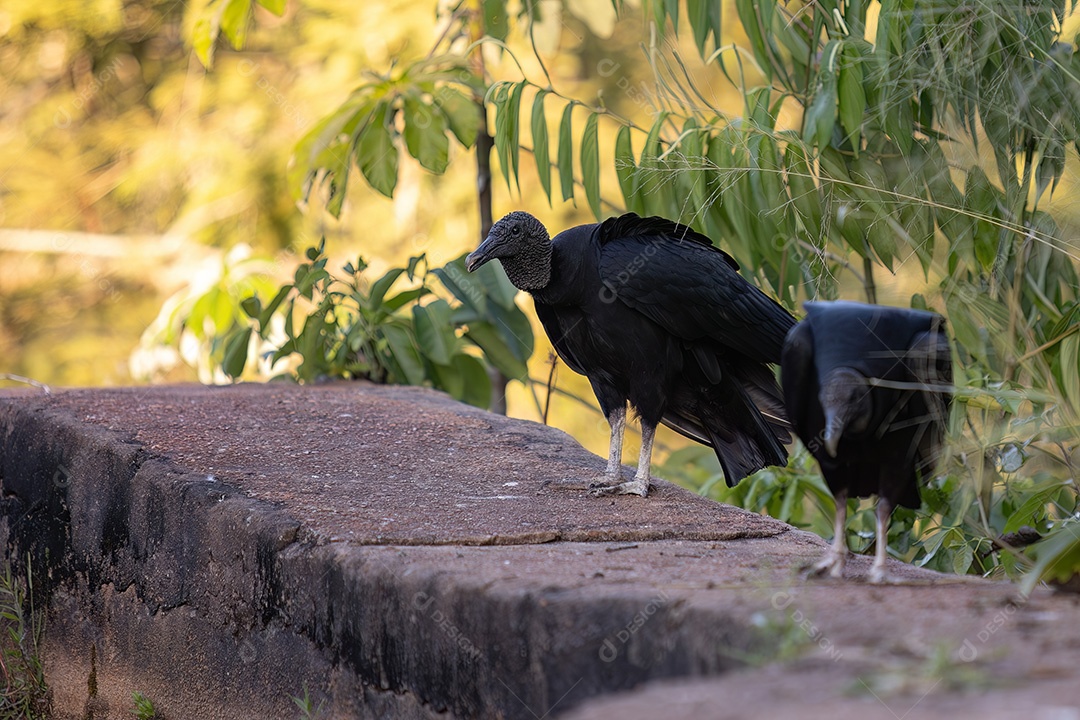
[[846, 402], [522, 244]]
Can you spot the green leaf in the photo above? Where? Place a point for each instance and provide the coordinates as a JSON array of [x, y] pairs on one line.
[[1057, 557], [236, 352], [203, 35], [404, 352], [450, 380], [507, 101], [380, 287], [590, 165], [566, 154], [251, 306], [805, 197], [403, 298], [515, 329], [851, 96], [477, 384], [467, 287], [462, 114], [235, 19], [271, 308], [626, 171], [513, 108], [1068, 375], [697, 11], [425, 134], [329, 146], [821, 116], [488, 338], [496, 285], [275, 6], [376, 153], [980, 199], [748, 14], [495, 22], [653, 186], [540, 143], [434, 331]]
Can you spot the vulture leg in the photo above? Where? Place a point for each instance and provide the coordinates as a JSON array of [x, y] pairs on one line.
[[836, 555], [611, 476], [640, 484], [881, 546]]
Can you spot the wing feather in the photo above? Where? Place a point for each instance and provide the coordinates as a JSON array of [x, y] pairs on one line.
[[691, 289]]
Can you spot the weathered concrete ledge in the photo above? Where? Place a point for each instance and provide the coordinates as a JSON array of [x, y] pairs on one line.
[[401, 555]]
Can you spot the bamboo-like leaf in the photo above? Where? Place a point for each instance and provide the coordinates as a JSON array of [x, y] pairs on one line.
[[513, 108], [507, 101], [697, 12], [693, 153], [852, 98], [980, 199], [752, 24], [626, 171], [566, 154], [653, 185], [499, 97], [495, 22], [590, 165], [821, 116], [540, 143], [667, 9], [805, 197]]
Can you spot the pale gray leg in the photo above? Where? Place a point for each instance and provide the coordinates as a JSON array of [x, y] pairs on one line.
[[640, 484], [878, 575], [613, 471], [836, 556]]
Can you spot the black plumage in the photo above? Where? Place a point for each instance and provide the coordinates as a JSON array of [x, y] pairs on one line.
[[868, 389], [655, 316]]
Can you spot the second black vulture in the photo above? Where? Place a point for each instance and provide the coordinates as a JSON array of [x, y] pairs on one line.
[[655, 316], [868, 390]]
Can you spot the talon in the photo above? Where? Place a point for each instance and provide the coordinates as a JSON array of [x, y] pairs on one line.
[[878, 576], [633, 487], [833, 563]]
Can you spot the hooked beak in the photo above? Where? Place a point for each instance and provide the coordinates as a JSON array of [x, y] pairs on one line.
[[481, 255], [834, 428]]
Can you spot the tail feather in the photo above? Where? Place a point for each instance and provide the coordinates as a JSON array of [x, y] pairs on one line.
[[727, 418]]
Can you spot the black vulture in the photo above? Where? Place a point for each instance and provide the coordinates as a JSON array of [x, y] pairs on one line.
[[655, 316], [868, 390]]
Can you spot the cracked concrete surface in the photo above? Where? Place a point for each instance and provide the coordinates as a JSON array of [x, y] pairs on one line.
[[401, 555]]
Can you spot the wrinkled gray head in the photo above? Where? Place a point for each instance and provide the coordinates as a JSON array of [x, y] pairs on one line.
[[522, 244], [846, 402]]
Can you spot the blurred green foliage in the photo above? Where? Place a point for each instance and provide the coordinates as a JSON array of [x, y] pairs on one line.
[[342, 326]]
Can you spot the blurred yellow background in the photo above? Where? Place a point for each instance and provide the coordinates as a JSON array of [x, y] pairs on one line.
[[129, 173]]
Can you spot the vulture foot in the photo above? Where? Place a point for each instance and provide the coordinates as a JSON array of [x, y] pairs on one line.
[[832, 563], [637, 486], [879, 576]]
